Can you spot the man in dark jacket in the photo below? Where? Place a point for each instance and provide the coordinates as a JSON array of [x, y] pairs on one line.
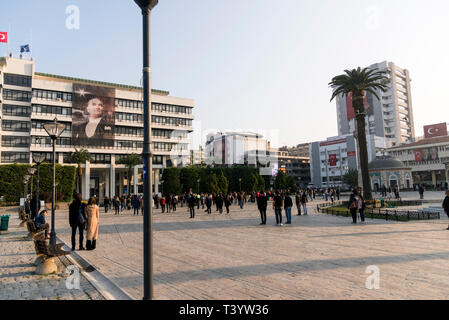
[[446, 205], [262, 206], [352, 206], [192, 202], [76, 215], [40, 223]]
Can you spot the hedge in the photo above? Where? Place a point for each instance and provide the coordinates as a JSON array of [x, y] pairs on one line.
[[12, 187]]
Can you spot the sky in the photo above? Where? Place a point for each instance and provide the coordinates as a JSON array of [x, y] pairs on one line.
[[252, 65]]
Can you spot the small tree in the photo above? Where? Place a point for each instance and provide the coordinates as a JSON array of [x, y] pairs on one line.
[[280, 182], [260, 183], [291, 184], [351, 178], [223, 183], [172, 182], [79, 157], [130, 161]]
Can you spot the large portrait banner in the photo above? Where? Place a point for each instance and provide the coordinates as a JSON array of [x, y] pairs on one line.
[[93, 116]]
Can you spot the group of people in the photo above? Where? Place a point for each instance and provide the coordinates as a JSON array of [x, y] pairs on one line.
[[82, 218], [126, 202], [356, 205], [388, 192], [332, 193]]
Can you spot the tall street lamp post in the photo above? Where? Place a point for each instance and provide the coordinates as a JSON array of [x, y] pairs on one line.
[[198, 182], [54, 130], [38, 158], [240, 183], [146, 6]]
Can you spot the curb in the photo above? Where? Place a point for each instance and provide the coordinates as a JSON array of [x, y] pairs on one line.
[[107, 288]]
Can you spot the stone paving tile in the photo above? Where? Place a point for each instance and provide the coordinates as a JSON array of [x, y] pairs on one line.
[[17, 278], [232, 257]]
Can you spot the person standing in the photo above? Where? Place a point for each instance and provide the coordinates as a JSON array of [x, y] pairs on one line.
[[192, 203], [106, 204], [421, 191], [175, 203], [304, 202], [288, 204], [338, 193], [298, 202], [136, 204], [219, 202], [227, 203], [163, 201], [446, 205], [352, 206], [262, 203], [208, 201], [277, 206], [361, 206], [92, 213], [77, 219]]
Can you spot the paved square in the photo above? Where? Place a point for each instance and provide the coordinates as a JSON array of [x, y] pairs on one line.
[[232, 257]]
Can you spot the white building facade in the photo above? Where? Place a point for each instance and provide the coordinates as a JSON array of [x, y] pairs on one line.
[[29, 99]]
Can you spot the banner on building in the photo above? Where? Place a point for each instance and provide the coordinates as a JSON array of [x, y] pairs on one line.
[[4, 37], [332, 160], [427, 154], [93, 116], [351, 153], [435, 130]]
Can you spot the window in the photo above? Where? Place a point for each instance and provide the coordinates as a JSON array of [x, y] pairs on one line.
[[129, 117], [16, 111], [51, 110], [14, 141], [17, 80], [128, 144], [39, 125], [15, 157], [101, 158], [52, 95], [15, 95], [172, 121], [17, 126], [129, 131]]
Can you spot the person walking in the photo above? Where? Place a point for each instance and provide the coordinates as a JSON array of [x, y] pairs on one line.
[[278, 204], [77, 219], [208, 202], [116, 203], [304, 202], [227, 203], [338, 192], [288, 204], [352, 206], [446, 205], [136, 204], [41, 224], [262, 203], [361, 206], [192, 202], [106, 204], [163, 202], [298, 202], [421, 191], [92, 213], [219, 202]]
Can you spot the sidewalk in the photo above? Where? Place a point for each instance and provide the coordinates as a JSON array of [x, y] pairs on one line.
[[17, 278]]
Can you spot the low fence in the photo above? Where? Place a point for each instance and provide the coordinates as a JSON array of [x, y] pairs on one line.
[[384, 214]]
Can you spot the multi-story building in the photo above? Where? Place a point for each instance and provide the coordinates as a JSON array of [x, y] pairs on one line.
[[196, 157], [301, 150], [104, 118], [390, 117], [429, 160], [330, 160], [296, 163]]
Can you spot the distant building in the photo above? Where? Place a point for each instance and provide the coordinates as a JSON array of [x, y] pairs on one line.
[[196, 157], [391, 117], [389, 172], [295, 162], [330, 160]]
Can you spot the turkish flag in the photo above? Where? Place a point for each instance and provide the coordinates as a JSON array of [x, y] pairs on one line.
[[332, 160], [3, 36], [418, 156], [435, 130]]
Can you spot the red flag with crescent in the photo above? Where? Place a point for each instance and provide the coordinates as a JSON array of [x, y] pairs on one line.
[[332, 160], [4, 37], [435, 130]]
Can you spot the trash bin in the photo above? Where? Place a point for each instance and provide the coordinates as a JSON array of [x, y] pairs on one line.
[[4, 223], [382, 202]]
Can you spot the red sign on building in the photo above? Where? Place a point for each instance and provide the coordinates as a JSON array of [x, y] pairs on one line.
[[435, 130], [351, 153], [332, 160], [418, 156]]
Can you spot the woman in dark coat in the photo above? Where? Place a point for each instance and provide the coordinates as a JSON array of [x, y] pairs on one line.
[[352, 206], [446, 205]]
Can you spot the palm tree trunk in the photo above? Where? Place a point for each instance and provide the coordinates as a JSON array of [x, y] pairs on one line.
[[79, 178], [361, 137]]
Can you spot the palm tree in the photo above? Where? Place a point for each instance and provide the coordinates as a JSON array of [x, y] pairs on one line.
[[358, 82], [130, 161], [79, 157]]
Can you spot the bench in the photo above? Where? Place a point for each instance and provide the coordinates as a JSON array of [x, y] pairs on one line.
[[45, 254], [31, 227], [23, 216]]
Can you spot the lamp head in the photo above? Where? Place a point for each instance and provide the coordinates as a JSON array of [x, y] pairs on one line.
[[54, 129], [38, 157], [32, 171], [146, 4]]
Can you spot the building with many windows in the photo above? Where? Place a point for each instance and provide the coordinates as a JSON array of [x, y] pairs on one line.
[[104, 118], [391, 117]]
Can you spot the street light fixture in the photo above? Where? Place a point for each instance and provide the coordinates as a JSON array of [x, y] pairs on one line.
[[54, 130], [31, 171], [198, 182], [38, 158], [240, 183], [146, 6]]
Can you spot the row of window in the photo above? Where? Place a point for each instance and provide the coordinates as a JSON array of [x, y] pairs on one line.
[[15, 142], [172, 121], [51, 110], [15, 157], [17, 126], [16, 111], [130, 117], [52, 95], [16, 95], [164, 146], [46, 141], [17, 80], [170, 108], [39, 125]]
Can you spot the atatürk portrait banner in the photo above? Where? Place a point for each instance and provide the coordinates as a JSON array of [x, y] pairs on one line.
[[93, 116]]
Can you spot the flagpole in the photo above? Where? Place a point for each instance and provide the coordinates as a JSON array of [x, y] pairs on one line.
[[31, 43], [9, 37]]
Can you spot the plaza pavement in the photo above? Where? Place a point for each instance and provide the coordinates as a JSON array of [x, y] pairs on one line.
[[17, 278], [232, 257]]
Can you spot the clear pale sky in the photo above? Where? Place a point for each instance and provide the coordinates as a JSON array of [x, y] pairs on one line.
[[248, 64]]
